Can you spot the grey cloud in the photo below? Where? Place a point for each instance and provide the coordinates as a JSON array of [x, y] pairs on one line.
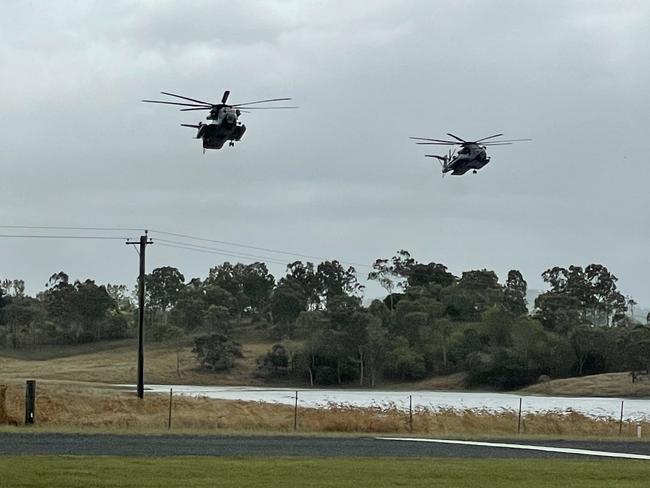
[[339, 177]]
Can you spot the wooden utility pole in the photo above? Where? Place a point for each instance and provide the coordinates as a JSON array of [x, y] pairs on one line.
[[144, 240], [30, 402]]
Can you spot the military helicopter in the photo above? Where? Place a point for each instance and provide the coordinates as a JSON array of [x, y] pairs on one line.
[[471, 155], [224, 122]]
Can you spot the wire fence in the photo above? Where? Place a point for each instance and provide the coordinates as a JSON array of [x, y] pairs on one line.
[[424, 410], [313, 410], [596, 407]]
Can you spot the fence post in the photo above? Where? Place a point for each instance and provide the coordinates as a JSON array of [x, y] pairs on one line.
[[620, 423], [411, 413], [519, 418], [295, 413], [4, 418], [169, 419], [30, 402]]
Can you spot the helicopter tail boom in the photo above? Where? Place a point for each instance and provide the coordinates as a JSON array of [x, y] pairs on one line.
[[445, 161]]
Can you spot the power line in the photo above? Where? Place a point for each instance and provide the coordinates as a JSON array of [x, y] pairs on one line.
[[223, 251], [173, 234], [266, 249], [44, 236], [52, 227], [207, 251]]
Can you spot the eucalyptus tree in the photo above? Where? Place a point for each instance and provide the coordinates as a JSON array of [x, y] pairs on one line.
[[257, 284], [335, 281], [391, 274], [593, 288], [311, 327], [287, 302], [384, 273], [514, 298], [303, 276], [164, 287]]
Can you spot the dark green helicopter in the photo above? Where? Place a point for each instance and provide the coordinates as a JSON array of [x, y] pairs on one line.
[[224, 125], [471, 155]]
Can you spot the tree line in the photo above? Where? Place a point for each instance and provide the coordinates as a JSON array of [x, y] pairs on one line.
[[430, 321]]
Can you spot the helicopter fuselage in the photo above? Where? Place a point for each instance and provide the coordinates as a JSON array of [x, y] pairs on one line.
[[471, 154], [223, 128], [223, 119], [469, 157], [215, 136]]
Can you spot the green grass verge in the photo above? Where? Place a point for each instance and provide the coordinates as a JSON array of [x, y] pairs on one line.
[[188, 472]]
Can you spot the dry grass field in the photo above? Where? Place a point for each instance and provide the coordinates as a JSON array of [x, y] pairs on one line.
[[78, 406], [116, 363], [605, 385]]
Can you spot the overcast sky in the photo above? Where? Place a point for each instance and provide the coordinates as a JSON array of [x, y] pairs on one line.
[[339, 177]]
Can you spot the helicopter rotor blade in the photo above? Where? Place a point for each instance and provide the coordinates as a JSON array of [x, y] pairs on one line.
[[197, 108], [497, 144], [263, 108], [434, 140], [262, 101], [173, 103], [226, 94], [509, 140], [186, 98], [191, 125], [434, 143], [489, 137], [456, 137]]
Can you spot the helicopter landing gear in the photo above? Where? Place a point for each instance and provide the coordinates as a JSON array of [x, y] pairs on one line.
[[474, 171], [231, 143]]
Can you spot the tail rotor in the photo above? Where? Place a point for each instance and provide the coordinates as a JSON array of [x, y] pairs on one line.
[[443, 160]]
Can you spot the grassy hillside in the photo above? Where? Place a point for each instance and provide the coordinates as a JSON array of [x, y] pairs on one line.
[[116, 363], [606, 385]]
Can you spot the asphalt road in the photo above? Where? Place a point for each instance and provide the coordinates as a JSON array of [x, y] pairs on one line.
[[188, 445]]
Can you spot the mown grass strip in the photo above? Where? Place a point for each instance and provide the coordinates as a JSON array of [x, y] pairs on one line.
[[189, 472]]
